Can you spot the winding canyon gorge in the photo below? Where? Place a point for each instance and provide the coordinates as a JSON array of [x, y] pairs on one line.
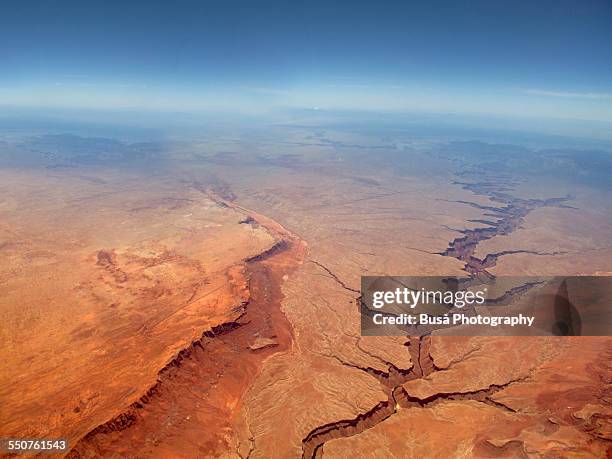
[[199, 309]]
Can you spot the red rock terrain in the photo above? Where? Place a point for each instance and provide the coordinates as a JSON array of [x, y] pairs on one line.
[[433, 397], [269, 361], [101, 280], [204, 385]]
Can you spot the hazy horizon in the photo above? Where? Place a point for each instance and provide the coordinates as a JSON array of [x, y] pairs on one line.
[[550, 60]]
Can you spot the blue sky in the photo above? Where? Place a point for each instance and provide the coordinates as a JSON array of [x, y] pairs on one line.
[[542, 59]]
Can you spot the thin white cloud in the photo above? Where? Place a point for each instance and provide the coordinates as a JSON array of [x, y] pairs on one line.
[[568, 95], [267, 91], [92, 84]]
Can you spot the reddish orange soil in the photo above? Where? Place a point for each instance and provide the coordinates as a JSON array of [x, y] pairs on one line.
[[102, 283], [204, 384], [260, 384]]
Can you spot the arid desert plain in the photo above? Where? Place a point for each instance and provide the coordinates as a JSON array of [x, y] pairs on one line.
[[201, 298]]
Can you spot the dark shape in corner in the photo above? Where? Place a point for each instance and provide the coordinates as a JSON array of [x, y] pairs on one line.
[[567, 319]]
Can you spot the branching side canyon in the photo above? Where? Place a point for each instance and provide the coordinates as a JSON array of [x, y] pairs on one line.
[[203, 301]]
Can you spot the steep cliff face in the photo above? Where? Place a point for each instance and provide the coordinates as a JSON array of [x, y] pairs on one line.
[[193, 405], [102, 284]]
